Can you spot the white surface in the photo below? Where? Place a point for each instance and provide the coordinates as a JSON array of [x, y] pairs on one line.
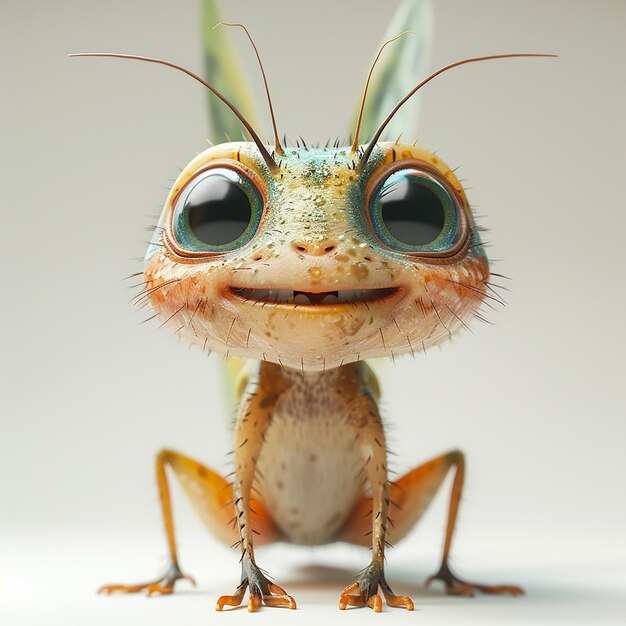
[[52, 580], [536, 401]]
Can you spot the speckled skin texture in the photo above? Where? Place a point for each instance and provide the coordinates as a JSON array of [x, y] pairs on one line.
[[310, 475], [309, 444], [314, 203]]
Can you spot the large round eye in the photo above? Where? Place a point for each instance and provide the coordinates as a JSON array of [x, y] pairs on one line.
[[412, 212], [219, 210]]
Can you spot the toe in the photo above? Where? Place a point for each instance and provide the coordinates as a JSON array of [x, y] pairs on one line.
[[400, 601], [348, 599], [497, 589], [283, 600], [190, 579], [223, 601], [254, 602], [160, 589], [462, 589], [375, 602]]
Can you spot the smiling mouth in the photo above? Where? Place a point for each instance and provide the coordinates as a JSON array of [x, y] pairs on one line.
[[308, 298]]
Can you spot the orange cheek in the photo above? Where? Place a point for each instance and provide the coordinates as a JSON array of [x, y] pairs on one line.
[[175, 293], [451, 285]]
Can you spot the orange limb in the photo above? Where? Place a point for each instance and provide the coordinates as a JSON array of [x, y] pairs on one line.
[[410, 497], [163, 585], [212, 498], [268, 594], [255, 415], [364, 418], [374, 601]]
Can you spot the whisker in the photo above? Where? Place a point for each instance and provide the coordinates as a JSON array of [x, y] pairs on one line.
[[173, 315], [148, 292], [476, 290], [457, 317]]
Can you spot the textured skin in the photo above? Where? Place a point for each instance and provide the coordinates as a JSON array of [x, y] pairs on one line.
[[309, 470], [316, 201], [310, 458]]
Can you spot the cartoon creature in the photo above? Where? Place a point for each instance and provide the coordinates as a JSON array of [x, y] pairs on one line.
[[300, 264]]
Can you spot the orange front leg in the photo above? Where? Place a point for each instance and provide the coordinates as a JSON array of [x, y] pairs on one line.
[[364, 418], [255, 414]]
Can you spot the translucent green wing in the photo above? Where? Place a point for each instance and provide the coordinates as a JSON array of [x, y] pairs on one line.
[[401, 66], [224, 72]]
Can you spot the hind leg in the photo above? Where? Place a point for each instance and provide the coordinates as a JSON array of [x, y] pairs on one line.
[[454, 585], [410, 497], [211, 496]]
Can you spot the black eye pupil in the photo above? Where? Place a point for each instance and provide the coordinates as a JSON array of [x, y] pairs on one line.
[[412, 212], [218, 210]]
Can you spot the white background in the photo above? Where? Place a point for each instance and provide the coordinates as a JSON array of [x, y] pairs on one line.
[[536, 401]]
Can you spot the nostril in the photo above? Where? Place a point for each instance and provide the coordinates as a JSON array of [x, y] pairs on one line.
[[313, 248]]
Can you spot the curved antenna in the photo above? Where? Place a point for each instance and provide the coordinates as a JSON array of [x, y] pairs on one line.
[[372, 144], [278, 148], [355, 143], [267, 157]]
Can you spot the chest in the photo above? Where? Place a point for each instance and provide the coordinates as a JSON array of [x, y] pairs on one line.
[[309, 472]]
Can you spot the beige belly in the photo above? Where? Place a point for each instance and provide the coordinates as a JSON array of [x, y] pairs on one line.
[[309, 470]]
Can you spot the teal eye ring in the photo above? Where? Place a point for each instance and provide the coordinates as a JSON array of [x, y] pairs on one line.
[[414, 211], [219, 210]]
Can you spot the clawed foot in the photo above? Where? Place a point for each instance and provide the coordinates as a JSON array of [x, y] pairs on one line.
[[162, 586], [457, 587], [262, 591], [367, 592]]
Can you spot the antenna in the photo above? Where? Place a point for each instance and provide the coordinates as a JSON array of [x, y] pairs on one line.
[[278, 148], [372, 144], [267, 157], [355, 143]]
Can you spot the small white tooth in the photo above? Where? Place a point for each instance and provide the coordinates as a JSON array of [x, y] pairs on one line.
[[284, 295], [331, 298], [261, 294], [301, 299], [346, 295]]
